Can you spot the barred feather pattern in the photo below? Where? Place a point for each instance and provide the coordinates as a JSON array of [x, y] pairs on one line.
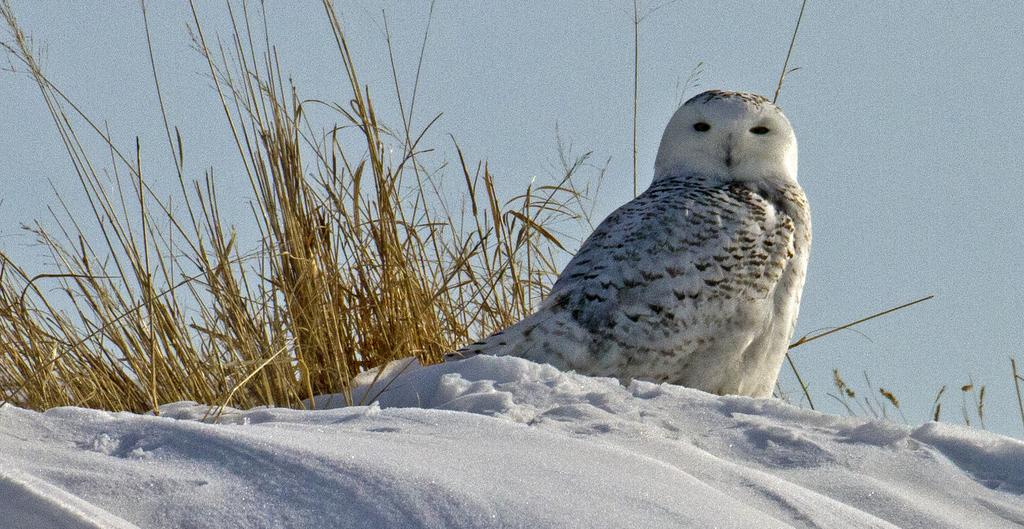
[[690, 283]]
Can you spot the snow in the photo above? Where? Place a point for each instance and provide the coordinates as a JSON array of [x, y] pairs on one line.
[[503, 442]]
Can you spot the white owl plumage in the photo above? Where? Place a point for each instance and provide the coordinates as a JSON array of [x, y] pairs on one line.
[[696, 281]]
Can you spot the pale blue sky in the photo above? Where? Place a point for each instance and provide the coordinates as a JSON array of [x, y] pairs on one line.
[[908, 118]]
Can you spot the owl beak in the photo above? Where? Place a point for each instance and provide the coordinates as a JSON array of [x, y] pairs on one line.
[[728, 150]]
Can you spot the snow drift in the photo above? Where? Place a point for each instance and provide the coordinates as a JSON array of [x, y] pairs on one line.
[[503, 442]]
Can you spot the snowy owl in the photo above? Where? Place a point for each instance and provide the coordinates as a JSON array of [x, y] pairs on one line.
[[697, 281]]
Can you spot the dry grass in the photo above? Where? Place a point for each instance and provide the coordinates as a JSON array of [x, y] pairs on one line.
[[361, 259], [972, 401], [1017, 379]]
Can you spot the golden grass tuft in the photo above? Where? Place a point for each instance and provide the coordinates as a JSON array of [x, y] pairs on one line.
[[361, 260]]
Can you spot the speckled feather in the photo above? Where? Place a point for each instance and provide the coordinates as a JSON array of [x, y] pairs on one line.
[[696, 282]]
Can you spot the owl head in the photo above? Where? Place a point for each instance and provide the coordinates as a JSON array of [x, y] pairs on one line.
[[729, 137]]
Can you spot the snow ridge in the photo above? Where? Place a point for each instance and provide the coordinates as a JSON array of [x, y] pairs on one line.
[[503, 442]]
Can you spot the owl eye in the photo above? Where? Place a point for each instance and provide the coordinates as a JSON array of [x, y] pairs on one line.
[[760, 130], [700, 126]]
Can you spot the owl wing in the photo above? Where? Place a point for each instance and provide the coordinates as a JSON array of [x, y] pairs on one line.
[[675, 265], [658, 252]]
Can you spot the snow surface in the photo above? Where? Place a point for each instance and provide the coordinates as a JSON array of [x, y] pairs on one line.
[[503, 442]]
